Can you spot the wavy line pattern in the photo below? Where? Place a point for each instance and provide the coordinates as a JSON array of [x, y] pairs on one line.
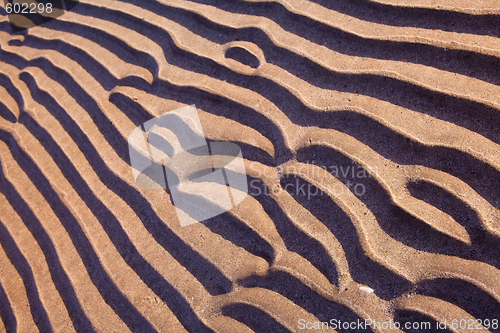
[[370, 131]]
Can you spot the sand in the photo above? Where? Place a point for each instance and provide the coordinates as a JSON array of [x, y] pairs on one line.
[[370, 132]]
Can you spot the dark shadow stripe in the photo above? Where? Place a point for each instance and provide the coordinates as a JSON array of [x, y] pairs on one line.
[[256, 319], [243, 56], [6, 114], [241, 235], [6, 313], [5, 25], [12, 90], [463, 294], [423, 18], [295, 239], [133, 110], [416, 322]]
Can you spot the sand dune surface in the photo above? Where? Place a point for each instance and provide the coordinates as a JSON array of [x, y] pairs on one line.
[[370, 137]]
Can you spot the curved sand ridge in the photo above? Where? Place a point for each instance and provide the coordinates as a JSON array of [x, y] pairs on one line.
[[82, 248]]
